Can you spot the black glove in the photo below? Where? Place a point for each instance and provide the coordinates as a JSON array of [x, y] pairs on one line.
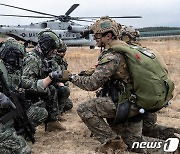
[[5, 102], [56, 74]]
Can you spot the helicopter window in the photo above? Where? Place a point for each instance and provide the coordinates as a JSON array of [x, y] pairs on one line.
[[44, 25], [87, 37]]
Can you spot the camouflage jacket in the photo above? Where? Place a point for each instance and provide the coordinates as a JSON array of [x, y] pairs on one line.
[[61, 62], [13, 80], [35, 67], [108, 64]]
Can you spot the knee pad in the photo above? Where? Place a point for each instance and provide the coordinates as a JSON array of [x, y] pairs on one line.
[[63, 92]]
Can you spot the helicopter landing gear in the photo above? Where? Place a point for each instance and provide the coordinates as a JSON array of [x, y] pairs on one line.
[[92, 47]]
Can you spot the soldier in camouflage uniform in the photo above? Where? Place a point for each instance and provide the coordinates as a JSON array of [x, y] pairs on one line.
[[12, 53], [10, 142], [65, 102], [150, 126], [38, 81], [112, 66], [93, 112], [129, 34]]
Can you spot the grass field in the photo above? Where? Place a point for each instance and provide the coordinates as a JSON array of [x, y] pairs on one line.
[[76, 139]]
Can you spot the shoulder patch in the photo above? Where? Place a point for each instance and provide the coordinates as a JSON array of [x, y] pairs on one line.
[[105, 60]]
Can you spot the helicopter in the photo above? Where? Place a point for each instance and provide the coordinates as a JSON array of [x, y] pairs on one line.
[[63, 25]]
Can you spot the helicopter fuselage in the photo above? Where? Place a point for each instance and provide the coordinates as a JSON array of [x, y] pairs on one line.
[[69, 32]]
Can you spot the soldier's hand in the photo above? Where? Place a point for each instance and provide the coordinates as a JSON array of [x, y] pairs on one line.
[[82, 73], [66, 75], [88, 72], [56, 74], [5, 102]]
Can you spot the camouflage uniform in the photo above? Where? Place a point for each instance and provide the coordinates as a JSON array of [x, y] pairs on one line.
[[93, 111], [34, 68], [10, 142], [11, 42], [65, 102], [152, 129], [129, 35], [150, 126], [35, 113], [111, 73]]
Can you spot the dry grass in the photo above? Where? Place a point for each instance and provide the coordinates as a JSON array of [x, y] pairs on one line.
[[76, 139], [83, 58]]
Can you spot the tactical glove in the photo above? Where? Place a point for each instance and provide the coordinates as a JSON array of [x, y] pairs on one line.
[[88, 72], [66, 75], [56, 74], [5, 102]]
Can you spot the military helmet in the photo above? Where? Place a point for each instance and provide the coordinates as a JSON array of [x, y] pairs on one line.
[[62, 47], [105, 24], [48, 40], [12, 53], [129, 34]]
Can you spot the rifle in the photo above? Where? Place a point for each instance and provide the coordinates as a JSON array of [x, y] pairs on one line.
[[49, 100], [18, 112]]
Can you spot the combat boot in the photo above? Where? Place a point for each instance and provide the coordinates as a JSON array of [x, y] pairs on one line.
[[112, 146], [55, 125]]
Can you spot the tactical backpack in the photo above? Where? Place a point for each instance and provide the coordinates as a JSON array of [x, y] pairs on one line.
[[151, 85]]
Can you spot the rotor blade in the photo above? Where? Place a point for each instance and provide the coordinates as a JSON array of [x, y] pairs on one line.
[[82, 20], [10, 15], [72, 8], [29, 10], [109, 17], [127, 17]]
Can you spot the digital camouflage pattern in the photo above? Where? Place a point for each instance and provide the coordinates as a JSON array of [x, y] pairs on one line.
[[34, 68], [36, 114], [65, 102], [105, 24], [11, 42], [11, 143], [93, 112], [62, 62], [152, 129], [108, 63]]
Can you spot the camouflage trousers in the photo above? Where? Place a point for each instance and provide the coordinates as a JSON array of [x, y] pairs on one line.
[[64, 101], [94, 111], [37, 114], [11, 143], [152, 129]]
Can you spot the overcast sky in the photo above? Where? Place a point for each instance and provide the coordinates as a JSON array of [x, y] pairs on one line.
[[153, 12]]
